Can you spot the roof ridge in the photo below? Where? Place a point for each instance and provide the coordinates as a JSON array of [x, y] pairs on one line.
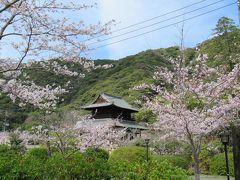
[[119, 97]]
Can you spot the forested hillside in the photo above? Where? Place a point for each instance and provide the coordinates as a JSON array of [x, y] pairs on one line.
[[118, 80], [121, 77], [126, 73]]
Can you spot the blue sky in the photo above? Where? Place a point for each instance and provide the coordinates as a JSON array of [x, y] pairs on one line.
[[128, 12]]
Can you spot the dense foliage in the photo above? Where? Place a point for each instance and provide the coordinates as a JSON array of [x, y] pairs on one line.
[[130, 163], [218, 164], [145, 115], [223, 48], [91, 164], [175, 160], [128, 154]]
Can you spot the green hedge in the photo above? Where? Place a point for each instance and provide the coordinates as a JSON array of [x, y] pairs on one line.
[[218, 164], [36, 164], [123, 163]]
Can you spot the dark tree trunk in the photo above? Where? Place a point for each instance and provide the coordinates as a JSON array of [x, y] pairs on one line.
[[195, 152], [236, 151], [196, 166]]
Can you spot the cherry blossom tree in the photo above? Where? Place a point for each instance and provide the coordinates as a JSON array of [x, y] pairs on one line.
[[99, 134], [32, 29], [58, 133], [35, 26], [193, 101]]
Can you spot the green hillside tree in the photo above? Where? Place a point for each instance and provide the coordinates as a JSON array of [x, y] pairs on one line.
[[227, 32]]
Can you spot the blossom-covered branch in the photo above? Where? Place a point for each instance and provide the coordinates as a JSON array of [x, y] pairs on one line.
[[194, 100]]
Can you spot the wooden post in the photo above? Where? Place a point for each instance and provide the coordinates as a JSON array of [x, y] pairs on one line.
[[236, 151], [226, 158]]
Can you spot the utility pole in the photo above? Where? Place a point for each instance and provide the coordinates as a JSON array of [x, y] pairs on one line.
[[236, 151]]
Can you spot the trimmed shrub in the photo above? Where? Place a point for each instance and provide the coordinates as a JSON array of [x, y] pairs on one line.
[[175, 160], [92, 164], [128, 154], [96, 164], [130, 163], [218, 164], [146, 170], [123, 162], [70, 166], [75, 166]]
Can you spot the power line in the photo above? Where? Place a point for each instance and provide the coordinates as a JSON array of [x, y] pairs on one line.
[[193, 17], [141, 22], [144, 27]]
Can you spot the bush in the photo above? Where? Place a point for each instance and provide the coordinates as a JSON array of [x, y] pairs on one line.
[[75, 166], [40, 153], [165, 170], [32, 165], [205, 159], [175, 160], [218, 165], [208, 150], [128, 154], [8, 159], [146, 170], [36, 164], [130, 163], [92, 164], [96, 164], [4, 148], [56, 167], [96, 153], [70, 166], [29, 167], [123, 162]]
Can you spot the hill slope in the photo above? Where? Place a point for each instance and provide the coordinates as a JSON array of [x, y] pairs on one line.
[[126, 73], [118, 80]]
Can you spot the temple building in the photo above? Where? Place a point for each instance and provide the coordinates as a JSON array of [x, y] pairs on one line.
[[107, 107]]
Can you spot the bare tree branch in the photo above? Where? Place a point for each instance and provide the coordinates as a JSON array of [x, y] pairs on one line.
[[6, 25], [8, 5], [26, 50]]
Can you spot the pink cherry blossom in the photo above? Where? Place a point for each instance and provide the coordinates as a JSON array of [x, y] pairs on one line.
[[201, 100]]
